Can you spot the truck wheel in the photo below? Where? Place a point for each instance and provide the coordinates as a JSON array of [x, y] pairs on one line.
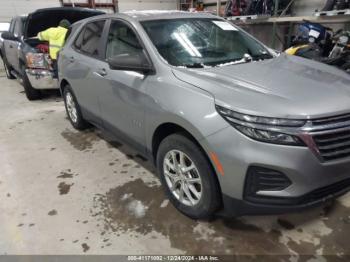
[[31, 93], [187, 177], [73, 110], [7, 70]]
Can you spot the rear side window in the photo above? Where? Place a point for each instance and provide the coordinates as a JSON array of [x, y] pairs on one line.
[[88, 41]]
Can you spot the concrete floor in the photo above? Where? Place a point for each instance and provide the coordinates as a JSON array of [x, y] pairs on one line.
[[69, 192]]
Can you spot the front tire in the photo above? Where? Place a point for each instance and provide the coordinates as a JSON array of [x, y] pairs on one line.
[[187, 177], [73, 110]]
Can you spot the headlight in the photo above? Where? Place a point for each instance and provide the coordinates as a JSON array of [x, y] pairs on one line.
[[260, 128], [269, 136], [229, 114]]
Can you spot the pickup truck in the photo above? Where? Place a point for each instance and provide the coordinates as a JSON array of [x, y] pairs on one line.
[[25, 57]]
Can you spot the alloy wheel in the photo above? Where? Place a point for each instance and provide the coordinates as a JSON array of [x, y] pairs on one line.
[[71, 107], [182, 177]]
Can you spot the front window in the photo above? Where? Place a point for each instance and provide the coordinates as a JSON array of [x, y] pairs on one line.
[[122, 40], [199, 42]]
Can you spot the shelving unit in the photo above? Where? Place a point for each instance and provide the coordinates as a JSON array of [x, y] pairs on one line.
[[94, 4], [185, 5], [323, 17]]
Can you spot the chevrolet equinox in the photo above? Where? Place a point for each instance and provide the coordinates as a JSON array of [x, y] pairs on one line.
[[232, 126]]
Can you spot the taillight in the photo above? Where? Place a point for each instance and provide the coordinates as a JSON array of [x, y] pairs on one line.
[[38, 60]]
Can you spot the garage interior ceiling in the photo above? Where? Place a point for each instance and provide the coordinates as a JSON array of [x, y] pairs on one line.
[[11, 8]]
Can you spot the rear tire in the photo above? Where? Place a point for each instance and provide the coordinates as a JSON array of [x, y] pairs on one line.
[[73, 109], [199, 188], [7, 68], [31, 93]]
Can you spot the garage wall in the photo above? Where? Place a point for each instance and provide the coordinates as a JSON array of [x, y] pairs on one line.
[[127, 5], [301, 7], [11, 8]]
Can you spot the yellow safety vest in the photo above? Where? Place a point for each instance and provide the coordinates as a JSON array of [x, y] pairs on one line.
[[56, 37]]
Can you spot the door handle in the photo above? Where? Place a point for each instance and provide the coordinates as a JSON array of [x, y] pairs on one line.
[[71, 59], [11, 46], [101, 72]]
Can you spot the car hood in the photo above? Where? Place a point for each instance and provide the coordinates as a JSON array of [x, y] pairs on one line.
[[43, 19], [286, 86]]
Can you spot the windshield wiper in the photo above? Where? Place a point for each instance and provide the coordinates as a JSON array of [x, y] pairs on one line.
[[262, 56], [194, 65], [245, 59]]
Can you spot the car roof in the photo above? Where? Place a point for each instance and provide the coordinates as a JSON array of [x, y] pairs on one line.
[[166, 14], [157, 15]]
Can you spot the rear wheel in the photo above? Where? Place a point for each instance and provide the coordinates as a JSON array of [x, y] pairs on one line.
[[73, 110], [7, 68], [187, 177], [31, 93]]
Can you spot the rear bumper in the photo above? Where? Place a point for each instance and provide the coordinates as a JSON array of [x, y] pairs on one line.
[[42, 79]]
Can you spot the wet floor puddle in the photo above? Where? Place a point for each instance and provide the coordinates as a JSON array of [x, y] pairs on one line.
[[82, 140], [141, 208], [64, 188]]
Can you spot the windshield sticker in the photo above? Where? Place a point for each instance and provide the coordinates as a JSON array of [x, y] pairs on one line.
[[225, 26]]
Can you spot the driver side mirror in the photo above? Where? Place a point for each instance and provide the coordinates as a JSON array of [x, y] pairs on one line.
[[9, 36], [131, 62]]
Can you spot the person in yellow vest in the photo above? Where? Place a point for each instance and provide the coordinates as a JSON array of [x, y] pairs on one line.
[[56, 37]]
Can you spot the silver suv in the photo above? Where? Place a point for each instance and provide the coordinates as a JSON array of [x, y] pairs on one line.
[[233, 127]]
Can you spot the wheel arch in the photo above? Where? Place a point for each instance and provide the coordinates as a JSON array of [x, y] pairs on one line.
[[63, 84], [166, 129]]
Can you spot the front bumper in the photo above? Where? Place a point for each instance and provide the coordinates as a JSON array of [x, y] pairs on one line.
[[307, 173], [235, 207], [42, 79]]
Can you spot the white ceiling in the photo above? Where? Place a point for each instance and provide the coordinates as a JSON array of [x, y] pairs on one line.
[[11, 8]]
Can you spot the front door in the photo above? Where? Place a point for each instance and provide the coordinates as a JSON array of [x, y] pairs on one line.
[[123, 95]]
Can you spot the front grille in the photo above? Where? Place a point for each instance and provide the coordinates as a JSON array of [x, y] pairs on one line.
[[333, 145], [331, 120], [333, 140]]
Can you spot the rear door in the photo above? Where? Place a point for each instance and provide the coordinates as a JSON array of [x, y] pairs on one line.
[[83, 68]]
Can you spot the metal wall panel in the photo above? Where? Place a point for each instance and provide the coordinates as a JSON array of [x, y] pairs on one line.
[[127, 5]]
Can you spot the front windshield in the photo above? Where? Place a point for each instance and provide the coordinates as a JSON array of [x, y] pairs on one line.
[[199, 42]]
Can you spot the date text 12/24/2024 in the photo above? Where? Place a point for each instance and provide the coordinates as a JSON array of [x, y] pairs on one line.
[[174, 258]]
